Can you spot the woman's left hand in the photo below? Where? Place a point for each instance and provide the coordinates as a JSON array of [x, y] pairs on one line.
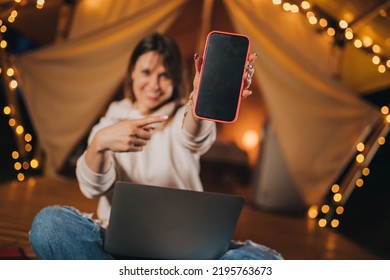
[[248, 74]]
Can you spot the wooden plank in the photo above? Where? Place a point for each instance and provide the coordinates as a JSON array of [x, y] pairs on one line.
[[295, 237]]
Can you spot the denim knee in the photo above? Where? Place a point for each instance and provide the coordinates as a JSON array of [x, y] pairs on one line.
[[250, 250], [45, 228], [62, 232]]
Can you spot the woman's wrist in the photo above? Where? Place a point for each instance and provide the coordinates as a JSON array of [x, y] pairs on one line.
[[189, 109]]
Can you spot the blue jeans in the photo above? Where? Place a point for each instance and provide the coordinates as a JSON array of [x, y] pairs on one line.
[[62, 232]]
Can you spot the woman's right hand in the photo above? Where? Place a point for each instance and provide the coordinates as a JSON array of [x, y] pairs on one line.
[[127, 135]]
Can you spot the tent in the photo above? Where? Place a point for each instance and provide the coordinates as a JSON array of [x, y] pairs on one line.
[[317, 120]]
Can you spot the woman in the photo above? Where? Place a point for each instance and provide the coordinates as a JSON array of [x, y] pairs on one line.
[[149, 137]]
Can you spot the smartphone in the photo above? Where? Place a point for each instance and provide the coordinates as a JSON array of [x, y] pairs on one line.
[[221, 77]]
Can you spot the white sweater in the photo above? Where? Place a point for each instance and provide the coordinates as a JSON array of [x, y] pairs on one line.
[[169, 159]]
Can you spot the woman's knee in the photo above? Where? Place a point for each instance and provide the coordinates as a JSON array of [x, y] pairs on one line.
[[47, 224]]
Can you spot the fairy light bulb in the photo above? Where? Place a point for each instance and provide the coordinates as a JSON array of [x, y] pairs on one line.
[[15, 155], [313, 212], [359, 183], [27, 137], [358, 43], [334, 223], [381, 140], [7, 110], [360, 158], [294, 9], [10, 72], [20, 177], [305, 5], [340, 210], [367, 41], [40, 4], [323, 22], [310, 14], [385, 110], [286, 6], [13, 84], [343, 24], [17, 166], [11, 19], [335, 188], [337, 197], [348, 34], [366, 171], [376, 60], [34, 163], [330, 31], [360, 147], [376, 48], [14, 13], [381, 69], [322, 222], [313, 20], [325, 209], [12, 122], [28, 147], [19, 129]]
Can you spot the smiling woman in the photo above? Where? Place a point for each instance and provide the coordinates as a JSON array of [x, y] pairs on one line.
[[317, 120], [135, 143]]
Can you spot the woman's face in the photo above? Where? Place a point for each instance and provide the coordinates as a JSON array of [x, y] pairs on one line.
[[152, 85]]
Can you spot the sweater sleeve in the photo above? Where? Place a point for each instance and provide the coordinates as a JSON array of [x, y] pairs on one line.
[[95, 184], [199, 143]]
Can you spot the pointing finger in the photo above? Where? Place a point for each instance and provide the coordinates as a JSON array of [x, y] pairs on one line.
[[150, 120]]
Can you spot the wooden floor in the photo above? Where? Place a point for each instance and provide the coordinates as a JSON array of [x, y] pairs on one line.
[[294, 237]]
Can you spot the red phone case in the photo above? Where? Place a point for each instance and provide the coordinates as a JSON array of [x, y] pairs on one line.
[[201, 74]]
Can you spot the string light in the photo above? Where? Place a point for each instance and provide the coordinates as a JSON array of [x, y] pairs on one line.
[[360, 158], [360, 147], [335, 188], [340, 210], [359, 183], [322, 222], [23, 139], [40, 4], [334, 223], [325, 208], [381, 140], [313, 212], [330, 212], [316, 16], [366, 171]]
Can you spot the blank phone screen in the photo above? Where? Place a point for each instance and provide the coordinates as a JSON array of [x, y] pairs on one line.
[[221, 77]]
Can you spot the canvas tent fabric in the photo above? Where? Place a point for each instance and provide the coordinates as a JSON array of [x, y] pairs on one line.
[[316, 120], [67, 85]]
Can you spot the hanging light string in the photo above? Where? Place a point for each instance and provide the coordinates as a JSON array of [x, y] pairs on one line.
[[340, 31], [23, 157], [355, 175], [328, 214]]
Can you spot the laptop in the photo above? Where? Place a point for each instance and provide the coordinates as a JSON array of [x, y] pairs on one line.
[[150, 222]]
